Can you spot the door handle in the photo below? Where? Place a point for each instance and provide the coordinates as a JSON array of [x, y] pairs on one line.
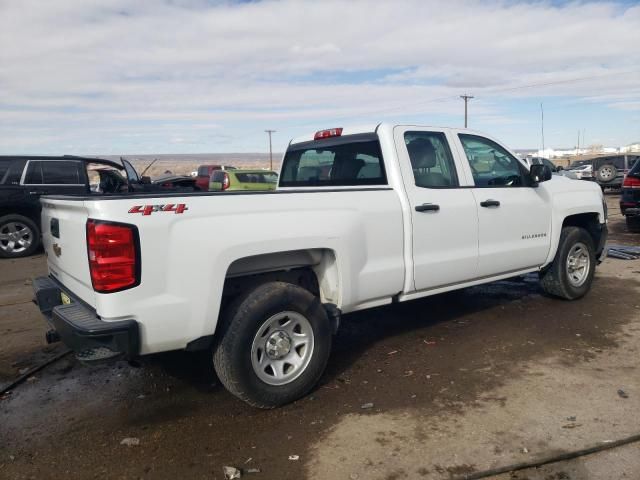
[[427, 207], [490, 203]]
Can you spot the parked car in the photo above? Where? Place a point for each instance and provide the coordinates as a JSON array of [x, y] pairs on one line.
[[175, 182], [204, 175], [243, 180], [362, 217], [609, 171], [543, 161], [579, 170], [24, 179], [630, 198]]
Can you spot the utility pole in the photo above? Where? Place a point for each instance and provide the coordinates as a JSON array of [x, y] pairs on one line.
[[270, 150], [542, 126], [466, 99], [578, 147]]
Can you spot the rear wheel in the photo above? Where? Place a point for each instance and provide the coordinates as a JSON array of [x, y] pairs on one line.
[[19, 236], [273, 344], [571, 273], [633, 224]]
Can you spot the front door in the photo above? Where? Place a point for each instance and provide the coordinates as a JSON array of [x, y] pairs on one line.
[[444, 217], [514, 217]]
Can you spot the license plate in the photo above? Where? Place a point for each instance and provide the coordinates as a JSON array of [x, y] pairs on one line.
[[65, 298]]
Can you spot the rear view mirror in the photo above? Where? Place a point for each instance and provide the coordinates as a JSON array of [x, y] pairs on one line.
[[539, 173]]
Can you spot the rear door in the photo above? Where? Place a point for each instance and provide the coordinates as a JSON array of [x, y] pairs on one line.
[[443, 210], [514, 218], [54, 177]]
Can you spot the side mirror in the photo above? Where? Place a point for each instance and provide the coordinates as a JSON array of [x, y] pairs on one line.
[[539, 173], [145, 180], [559, 168]]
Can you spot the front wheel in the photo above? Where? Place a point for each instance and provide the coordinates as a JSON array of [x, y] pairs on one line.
[[571, 273], [272, 345]]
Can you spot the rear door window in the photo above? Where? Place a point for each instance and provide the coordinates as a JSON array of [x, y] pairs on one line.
[[351, 160], [54, 172], [257, 177], [13, 173], [4, 169], [431, 160]]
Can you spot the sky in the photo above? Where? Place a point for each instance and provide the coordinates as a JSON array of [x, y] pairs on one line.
[[91, 77]]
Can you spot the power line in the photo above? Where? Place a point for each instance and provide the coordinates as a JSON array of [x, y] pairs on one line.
[[413, 104]]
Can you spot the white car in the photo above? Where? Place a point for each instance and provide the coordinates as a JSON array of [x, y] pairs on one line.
[[580, 170], [362, 217]]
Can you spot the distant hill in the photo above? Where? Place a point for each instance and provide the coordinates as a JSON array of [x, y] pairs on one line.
[[185, 163]]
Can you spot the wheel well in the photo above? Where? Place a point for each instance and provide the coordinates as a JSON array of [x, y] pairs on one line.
[[31, 213], [589, 221], [312, 269]]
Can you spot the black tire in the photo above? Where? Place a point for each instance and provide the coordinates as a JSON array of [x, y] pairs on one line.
[[8, 247], [633, 224], [239, 325], [555, 280], [606, 173]]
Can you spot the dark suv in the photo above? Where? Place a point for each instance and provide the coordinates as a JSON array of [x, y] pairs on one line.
[[630, 198], [23, 180], [609, 171]]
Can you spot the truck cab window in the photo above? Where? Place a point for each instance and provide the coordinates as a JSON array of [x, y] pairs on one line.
[[342, 162], [431, 160], [491, 165]]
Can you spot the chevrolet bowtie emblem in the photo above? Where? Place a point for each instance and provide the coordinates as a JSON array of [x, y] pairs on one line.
[[57, 250]]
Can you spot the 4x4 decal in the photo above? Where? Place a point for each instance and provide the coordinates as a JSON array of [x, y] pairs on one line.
[[149, 209]]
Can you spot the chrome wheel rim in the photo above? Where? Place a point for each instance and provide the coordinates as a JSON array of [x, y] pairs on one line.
[[282, 348], [606, 173], [15, 237], [578, 264]]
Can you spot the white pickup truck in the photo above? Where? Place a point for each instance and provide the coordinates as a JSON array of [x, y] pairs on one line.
[[362, 217]]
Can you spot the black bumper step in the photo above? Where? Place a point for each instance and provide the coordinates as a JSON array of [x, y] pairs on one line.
[[79, 327]]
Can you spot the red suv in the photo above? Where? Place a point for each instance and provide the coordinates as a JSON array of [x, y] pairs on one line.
[[204, 175]]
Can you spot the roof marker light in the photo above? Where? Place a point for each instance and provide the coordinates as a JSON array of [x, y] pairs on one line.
[[331, 132]]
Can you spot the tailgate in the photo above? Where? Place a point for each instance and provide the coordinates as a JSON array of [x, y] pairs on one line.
[[64, 240]]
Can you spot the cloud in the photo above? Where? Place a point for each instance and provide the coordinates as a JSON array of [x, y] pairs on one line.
[[71, 68]]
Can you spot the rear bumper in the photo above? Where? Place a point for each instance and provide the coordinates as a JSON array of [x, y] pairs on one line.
[[79, 327]]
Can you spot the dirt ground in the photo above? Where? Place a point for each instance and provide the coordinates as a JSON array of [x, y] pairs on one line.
[[458, 383]]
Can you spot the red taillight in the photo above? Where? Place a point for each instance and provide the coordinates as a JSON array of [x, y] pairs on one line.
[[113, 256], [225, 181], [332, 132], [631, 182]]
